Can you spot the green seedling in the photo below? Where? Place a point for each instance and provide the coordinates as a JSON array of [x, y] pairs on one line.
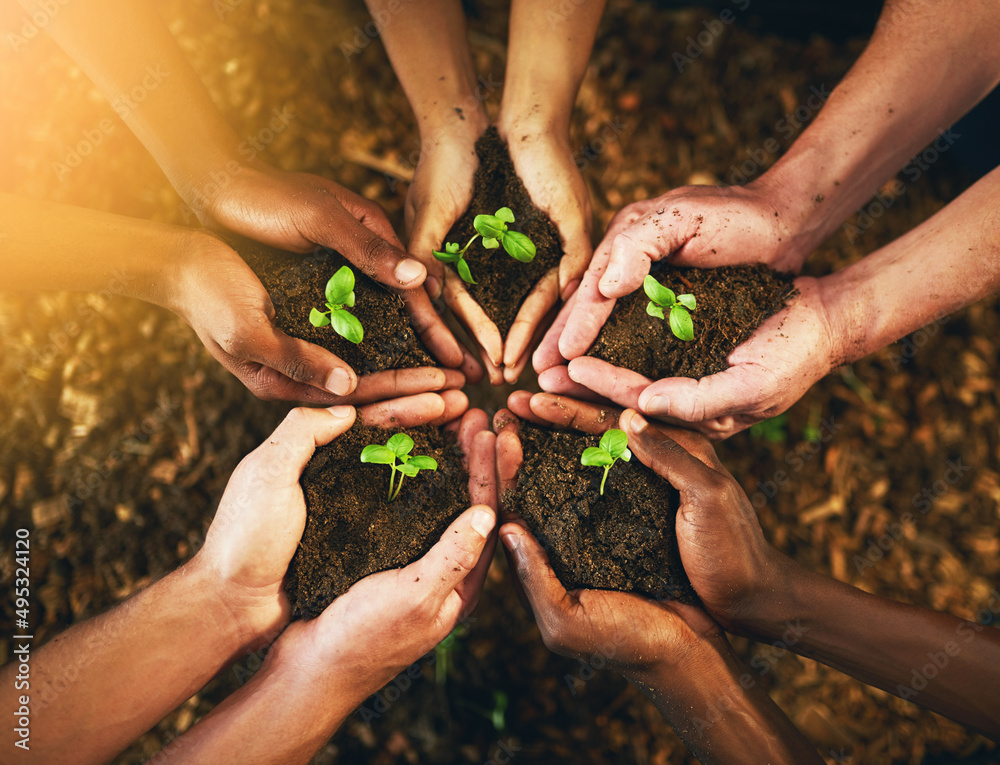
[[663, 302], [614, 446], [397, 447], [494, 231], [340, 297]]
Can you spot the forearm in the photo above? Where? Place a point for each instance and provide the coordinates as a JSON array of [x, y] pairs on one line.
[[925, 66], [283, 715], [937, 660], [100, 685], [946, 263], [126, 49], [429, 50], [48, 246], [722, 713], [548, 49]]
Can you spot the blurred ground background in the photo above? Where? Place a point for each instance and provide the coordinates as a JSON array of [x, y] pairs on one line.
[[117, 437]]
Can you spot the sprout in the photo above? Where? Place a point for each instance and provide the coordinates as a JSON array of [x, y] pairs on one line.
[[340, 297], [614, 446], [662, 299], [399, 447], [494, 231]]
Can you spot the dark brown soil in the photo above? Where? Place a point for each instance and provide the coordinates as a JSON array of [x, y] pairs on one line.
[[732, 302], [623, 540], [352, 531], [297, 283], [502, 282]]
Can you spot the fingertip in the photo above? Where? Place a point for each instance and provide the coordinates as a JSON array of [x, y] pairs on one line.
[[341, 381], [410, 273], [483, 520], [341, 411]]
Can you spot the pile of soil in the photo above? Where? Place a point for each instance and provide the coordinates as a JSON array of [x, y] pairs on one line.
[[352, 531], [297, 284], [502, 282], [732, 302], [623, 540]]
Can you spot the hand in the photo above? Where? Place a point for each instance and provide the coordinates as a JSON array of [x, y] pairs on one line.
[[225, 303], [544, 162], [262, 513], [769, 372], [703, 226]]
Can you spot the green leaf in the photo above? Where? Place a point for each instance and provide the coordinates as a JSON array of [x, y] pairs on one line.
[[464, 272], [318, 318], [349, 300], [654, 310], [505, 214], [341, 285], [447, 257], [423, 463], [347, 325], [408, 469], [594, 457], [489, 226], [680, 323], [451, 247], [657, 292], [400, 444], [687, 300], [626, 455], [519, 247], [491, 244], [615, 442], [378, 455]]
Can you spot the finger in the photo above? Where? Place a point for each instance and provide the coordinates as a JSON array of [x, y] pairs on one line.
[[513, 373], [663, 454], [493, 372], [543, 296], [406, 412], [394, 383], [472, 316], [556, 380], [509, 455], [519, 403], [455, 405], [635, 248], [617, 384], [472, 423], [284, 455], [297, 360], [547, 353], [453, 557], [431, 329], [578, 249], [471, 368], [546, 595], [429, 229], [695, 442], [694, 401], [563, 412], [269, 384]]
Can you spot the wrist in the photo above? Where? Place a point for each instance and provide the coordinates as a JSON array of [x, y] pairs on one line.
[[541, 117], [774, 602]]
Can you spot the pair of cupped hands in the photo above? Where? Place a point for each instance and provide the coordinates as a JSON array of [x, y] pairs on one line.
[[388, 620], [702, 226]]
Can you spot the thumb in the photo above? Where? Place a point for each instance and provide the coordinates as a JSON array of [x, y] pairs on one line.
[[694, 401], [284, 455], [380, 259], [635, 248], [544, 591], [301, 361], [665, 456], [430, 226], [454, 556]]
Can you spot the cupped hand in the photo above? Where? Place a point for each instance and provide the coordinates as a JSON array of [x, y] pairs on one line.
[[703, 226], [262, 513], [544, 162], [768, 373], [228, 307]]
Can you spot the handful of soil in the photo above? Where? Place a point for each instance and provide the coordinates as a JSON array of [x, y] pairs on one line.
[[352, 530], [732, 302], [623, 540], [297, 284], [502, 282]]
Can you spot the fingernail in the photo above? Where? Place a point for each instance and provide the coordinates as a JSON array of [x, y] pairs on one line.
[[341, 412], [511, 541], [482, 522], [657, 405], [433, 286], [638, 423], [339, 382], [613, 275], [409, 270]]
